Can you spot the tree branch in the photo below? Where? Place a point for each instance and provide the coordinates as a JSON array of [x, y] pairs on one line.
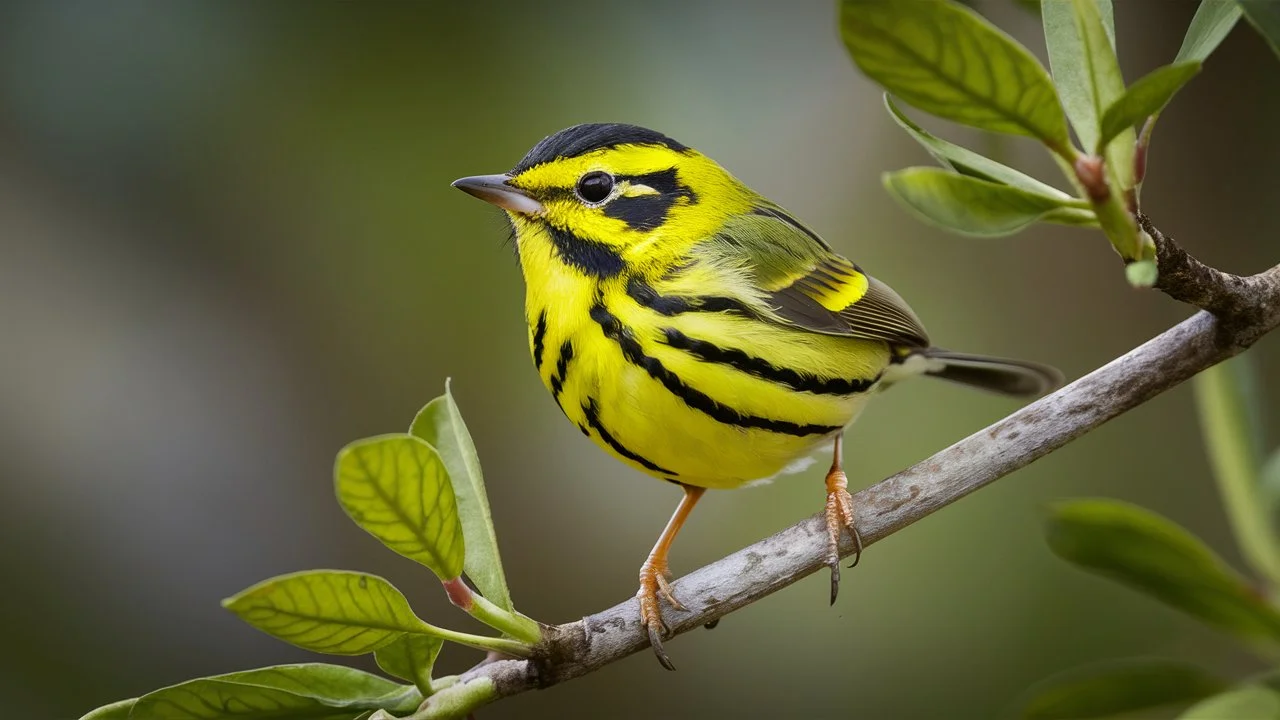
[[1243, 300], [1250, 307]]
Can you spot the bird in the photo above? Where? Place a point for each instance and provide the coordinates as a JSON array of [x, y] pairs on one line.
[[698, 332]]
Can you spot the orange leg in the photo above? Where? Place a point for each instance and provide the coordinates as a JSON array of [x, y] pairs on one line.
[[654, 573], [839, 518]]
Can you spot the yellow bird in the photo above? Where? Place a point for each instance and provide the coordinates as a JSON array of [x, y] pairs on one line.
[[697, 331]]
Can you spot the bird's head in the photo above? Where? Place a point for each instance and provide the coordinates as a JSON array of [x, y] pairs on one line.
[[623, 190]]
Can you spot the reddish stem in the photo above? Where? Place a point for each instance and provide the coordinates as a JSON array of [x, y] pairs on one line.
[[458, 592], [1090, 172]]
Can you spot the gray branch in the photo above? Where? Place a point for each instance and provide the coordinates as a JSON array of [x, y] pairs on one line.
[[577, 648]]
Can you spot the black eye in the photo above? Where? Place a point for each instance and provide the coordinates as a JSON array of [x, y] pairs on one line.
[[594, 187]]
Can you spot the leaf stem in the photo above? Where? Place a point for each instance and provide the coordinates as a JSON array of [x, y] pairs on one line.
[[512, 623], [1064, 150], [1231, 430], [1140, 160], [1118, 223], [477, 606], [506, 646]]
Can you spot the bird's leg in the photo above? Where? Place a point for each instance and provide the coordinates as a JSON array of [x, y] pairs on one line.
[[839, 518], [654, 572]]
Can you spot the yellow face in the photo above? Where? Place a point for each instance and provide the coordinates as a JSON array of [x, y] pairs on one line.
[[622, 195]]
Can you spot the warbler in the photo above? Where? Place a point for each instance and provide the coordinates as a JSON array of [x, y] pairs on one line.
[[697, 331]]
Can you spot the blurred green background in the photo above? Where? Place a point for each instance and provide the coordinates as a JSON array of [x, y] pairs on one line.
[[228, 246]]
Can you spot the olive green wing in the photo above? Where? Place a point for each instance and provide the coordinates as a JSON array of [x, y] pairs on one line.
[[804, 283]]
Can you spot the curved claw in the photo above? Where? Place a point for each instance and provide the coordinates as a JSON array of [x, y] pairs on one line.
[[653, 582], [857, 543], [664, 587], [839, 514], [653, 576], [655, 639]]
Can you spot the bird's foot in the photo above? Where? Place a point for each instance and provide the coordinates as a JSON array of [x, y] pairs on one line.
[[839, 519], [654, 583]]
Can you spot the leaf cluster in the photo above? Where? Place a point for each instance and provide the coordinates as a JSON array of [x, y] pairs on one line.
[[945, 59], [1153, 555], [422, 495]]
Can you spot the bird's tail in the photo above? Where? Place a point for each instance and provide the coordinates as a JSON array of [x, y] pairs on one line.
[[1007, 377]]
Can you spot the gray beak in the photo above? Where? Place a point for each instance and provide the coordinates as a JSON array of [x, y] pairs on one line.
[[494, 189]]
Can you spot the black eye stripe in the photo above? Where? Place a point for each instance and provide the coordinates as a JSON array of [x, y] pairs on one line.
[[664, 181], [648, 212]]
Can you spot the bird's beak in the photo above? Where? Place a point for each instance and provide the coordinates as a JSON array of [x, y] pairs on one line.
[[494, 189]]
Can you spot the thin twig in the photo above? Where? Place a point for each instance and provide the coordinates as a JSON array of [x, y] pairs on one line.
[[1250, 307]]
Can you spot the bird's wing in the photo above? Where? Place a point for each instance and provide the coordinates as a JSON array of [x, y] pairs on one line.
[[803, 283]]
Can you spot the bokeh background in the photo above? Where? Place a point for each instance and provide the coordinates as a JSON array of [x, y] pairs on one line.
[[228, 246]]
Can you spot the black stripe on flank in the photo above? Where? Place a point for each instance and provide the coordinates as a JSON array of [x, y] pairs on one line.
[[763, 369], [589, 411], [784, 217], [539, 336], [669, 305], [591, 257], [562, 370], [692, 397]]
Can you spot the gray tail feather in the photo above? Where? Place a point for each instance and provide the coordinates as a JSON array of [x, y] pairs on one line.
[[1007, 377]]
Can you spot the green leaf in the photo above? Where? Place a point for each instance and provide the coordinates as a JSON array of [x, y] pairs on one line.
[[1084, 64], [1108, 15], [1072, 217], [411, 658], [1213, 21], [1269, 483], [1153, 555], [344, 613], [947, 60], [1105, 689], [118, 710], [397, 488], [1264, 15], [965, 204], [312, 691], [1248, 702], [1088, 77], [440, 424], [967, 162], [1144, 98], [328, 611], [1228, 400]]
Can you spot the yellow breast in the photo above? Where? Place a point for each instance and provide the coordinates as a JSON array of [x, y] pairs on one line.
[[704, 395]]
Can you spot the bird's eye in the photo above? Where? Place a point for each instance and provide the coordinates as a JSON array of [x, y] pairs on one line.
[[594, 187]]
